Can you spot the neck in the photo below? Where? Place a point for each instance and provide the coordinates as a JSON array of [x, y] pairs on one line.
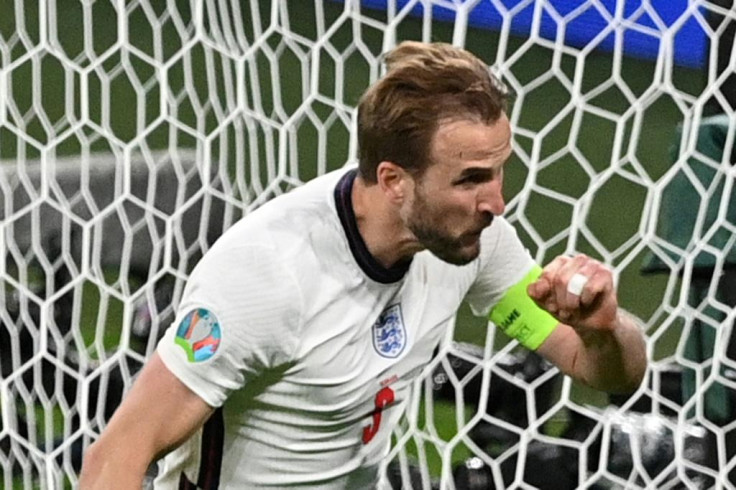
[[380, 226]]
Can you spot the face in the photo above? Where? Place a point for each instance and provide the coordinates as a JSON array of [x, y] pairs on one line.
[[461, 191]]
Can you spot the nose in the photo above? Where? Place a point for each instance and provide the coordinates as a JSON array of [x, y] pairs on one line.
[[490, 198]]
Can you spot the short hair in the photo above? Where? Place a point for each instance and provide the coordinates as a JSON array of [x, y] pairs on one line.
[[424, 84]]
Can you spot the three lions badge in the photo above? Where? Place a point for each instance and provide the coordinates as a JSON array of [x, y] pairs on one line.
[[389, 333]]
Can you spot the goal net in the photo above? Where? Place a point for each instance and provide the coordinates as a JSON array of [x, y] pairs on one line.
[[133, 133]]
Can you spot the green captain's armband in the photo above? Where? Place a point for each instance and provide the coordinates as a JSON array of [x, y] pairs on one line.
[[519, 317]]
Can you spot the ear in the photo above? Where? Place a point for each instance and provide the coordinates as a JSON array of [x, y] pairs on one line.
[[394, 181]]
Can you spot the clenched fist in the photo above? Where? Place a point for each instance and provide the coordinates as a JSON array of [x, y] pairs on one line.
[[578, 291]]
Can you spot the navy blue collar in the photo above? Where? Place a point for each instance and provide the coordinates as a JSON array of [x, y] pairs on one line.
[[366, 261]]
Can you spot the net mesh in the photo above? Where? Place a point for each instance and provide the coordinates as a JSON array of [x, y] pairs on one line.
[[133, 133]]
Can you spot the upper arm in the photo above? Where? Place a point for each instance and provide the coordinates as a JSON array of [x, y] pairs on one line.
[[165, 411], [239, 316], [157, 415]]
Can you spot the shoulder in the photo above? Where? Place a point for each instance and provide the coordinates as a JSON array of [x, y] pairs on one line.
[[283, 244], [296, 213], [285, 226]]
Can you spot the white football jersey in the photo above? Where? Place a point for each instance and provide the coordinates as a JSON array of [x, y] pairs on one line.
[[308, 346]]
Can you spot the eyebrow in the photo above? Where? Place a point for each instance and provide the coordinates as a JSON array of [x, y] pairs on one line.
[[477, 170], [474, 172], [475, 155]]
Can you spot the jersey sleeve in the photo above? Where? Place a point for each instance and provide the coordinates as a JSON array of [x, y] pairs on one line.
[[499, 291], [239, 316]]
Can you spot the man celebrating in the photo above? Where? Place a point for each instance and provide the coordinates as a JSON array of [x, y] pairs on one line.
[[301, 331]]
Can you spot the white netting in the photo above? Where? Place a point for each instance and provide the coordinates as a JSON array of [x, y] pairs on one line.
[[133, 132]]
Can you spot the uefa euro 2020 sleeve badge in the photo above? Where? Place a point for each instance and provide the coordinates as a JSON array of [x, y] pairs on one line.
[[199, 335]]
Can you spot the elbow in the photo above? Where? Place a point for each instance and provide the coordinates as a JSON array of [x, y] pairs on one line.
[[627, 387], [637, 364], [620, 372], [633, 373], [638, 372], [629, 358], [616, 385]]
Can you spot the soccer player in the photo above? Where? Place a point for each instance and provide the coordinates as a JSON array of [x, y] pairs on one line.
[[302, 329]]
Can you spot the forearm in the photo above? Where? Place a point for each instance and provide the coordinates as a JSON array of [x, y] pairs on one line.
[[595, 342], [158, 414], [612, 359], [111, 467]]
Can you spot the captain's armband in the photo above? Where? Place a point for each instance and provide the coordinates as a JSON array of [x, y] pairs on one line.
[[519, 317]]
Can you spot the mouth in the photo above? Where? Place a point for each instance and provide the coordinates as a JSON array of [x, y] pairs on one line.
[[479, 230], [471, 237]]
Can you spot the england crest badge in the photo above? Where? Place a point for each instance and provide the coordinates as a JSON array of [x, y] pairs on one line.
[[389, 333]]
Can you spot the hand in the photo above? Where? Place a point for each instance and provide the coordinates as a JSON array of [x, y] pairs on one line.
[[564, 292]]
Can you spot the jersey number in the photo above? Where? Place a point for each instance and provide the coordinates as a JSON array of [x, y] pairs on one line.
[[383, 398]]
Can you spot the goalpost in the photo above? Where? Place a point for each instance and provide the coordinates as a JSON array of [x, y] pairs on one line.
[[132, 133]]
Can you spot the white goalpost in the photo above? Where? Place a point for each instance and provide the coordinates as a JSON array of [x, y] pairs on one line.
[[133, 133]]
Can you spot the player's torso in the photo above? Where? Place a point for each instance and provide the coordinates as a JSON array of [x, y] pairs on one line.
[[362, 344], [361, 338], [324, 418]]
